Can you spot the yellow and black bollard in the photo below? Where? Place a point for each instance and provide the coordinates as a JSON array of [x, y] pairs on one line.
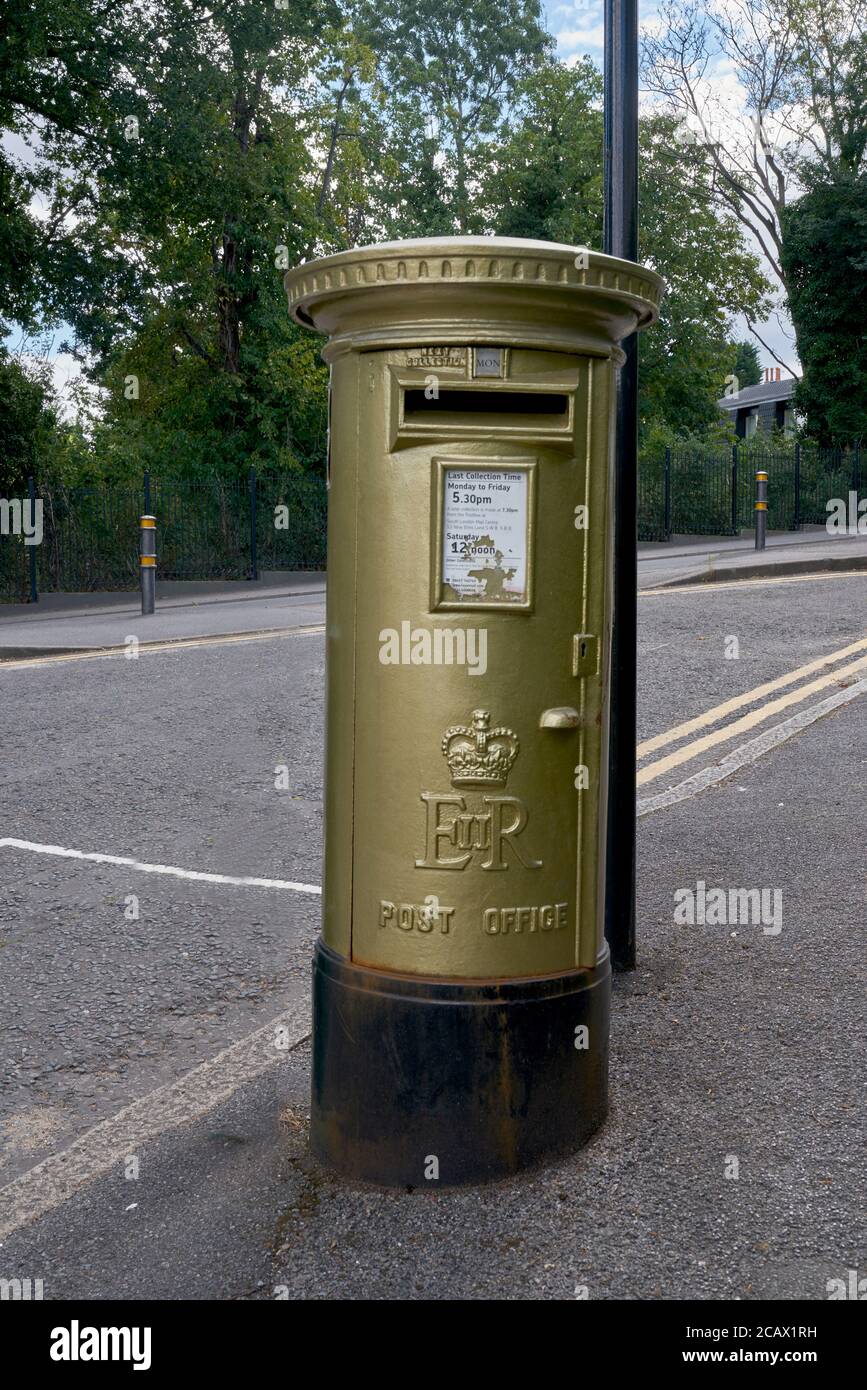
[[761, 507], [462, 981], [148, 562]]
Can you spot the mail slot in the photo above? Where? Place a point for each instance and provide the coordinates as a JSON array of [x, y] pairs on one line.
[[462, 981], [486, 402]]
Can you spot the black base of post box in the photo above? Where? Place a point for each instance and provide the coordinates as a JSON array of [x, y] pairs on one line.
[[421, 1082]]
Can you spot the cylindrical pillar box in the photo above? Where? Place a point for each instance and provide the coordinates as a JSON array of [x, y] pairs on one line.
[[462, 981]]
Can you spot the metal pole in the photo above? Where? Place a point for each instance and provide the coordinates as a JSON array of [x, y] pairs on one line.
[[735, 527], [148, 563], [761, 507], [667, 496], [620, 238], [254, 557], [796, 522], [34, 592]]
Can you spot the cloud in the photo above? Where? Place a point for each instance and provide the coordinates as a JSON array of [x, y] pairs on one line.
[[594, 37], [580, 24]]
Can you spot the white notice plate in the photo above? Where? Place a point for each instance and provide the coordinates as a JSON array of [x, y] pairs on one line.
[[485, 535]]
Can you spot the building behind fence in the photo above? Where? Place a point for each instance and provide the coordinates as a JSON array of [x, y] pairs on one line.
[[219, 529]]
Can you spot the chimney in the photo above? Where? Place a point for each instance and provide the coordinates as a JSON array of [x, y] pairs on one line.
[[778, 374]]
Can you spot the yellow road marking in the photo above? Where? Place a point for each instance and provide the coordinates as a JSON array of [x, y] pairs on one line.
[[749, 721], [702, 586], [712, 716], [102, 653]]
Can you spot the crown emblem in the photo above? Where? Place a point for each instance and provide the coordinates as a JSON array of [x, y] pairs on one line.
[[477, 755]]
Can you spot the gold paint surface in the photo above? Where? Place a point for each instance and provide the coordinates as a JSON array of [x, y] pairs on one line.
[[460, 841]]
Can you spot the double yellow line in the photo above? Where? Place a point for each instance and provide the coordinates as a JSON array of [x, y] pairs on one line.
[[689, 750]]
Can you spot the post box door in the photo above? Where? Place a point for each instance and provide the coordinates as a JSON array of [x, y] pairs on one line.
[[480, 630]]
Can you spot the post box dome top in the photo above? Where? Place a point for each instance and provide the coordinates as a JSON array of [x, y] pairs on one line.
[[473, 289]]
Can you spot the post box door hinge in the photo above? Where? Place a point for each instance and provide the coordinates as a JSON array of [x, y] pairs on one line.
[[585, 654]]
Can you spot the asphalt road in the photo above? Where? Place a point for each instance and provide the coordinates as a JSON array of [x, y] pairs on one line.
[[733, 1049]]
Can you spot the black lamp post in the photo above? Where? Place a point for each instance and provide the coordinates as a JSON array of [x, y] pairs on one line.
[[620, 238]]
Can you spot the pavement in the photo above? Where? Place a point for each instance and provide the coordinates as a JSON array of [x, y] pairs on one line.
[[704, 559], [183, 611], [154, 992]]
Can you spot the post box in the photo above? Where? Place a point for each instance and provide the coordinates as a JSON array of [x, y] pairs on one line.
[[462, 980]]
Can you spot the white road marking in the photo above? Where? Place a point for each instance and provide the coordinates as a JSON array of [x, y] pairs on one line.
[[107, 1144], [56, 1179], [6, 842], [176, 644], [748, 752]]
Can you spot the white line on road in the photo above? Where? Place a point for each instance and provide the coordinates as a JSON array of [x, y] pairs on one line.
[[173, 644], [6, 842], [748, 752], [57, 1178], [54, 1180]]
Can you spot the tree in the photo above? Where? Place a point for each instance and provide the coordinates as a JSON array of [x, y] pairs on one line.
[[800, 71], [544, 177], [710, 276], [211, 195], [65, 84], [825, 260], [30, 427], [546, 181], [188, 152], [458, 63], [747, 368]]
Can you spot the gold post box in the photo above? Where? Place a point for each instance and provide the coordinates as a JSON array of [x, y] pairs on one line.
[[462, 980]]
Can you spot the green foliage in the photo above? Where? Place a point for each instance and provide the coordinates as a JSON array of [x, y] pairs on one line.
[[66, 84], [30, 430], [709, 274], [186, 154], [748, 368], [545, 170], [825, 259], [547, 183], [205, 199], [456, 64]]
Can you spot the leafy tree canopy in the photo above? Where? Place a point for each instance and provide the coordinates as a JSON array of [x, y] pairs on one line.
[[167, 160], [748, 369], [825, 254]]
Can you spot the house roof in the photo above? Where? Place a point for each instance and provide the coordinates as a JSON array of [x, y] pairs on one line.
[[766, 391]]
